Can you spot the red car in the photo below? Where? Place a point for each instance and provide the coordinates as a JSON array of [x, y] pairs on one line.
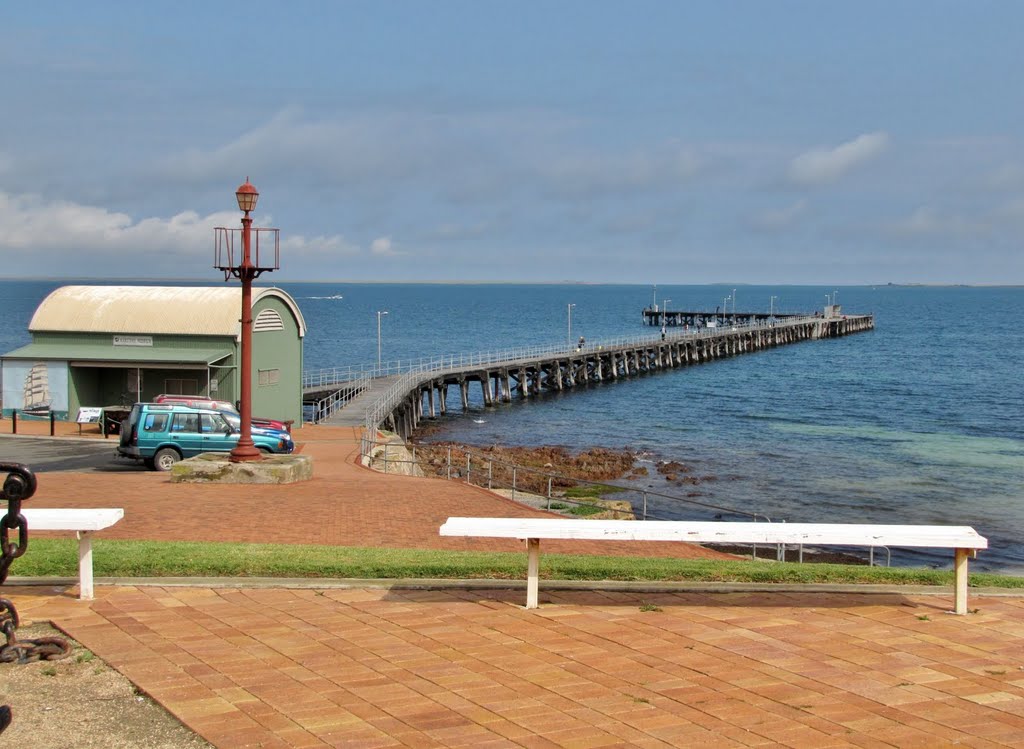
[[195, 401]]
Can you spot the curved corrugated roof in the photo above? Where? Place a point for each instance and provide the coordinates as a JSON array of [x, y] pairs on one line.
[[174, 310]]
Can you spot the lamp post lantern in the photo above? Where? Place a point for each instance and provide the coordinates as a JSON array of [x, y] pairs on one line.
[[247, 269], [380, 314]]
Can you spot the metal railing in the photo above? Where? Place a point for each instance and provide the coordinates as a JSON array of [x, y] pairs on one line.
[[455, 362], [324, 408], [390, 398]]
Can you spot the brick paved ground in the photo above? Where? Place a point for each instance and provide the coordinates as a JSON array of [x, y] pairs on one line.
[[373, 668], [344, 505]]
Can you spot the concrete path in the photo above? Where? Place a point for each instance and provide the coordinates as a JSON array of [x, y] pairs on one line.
[[362, 667]]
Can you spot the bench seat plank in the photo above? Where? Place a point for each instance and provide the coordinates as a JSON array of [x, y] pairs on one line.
[[84, 522], [935, 536], [963, 539], [71, 519]]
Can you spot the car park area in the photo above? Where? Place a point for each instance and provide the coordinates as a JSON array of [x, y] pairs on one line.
[[44, 455]]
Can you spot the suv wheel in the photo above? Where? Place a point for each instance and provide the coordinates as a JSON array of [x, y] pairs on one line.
[[165, 458]]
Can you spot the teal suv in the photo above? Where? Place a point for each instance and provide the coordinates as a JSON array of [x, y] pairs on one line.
[[161, 434]]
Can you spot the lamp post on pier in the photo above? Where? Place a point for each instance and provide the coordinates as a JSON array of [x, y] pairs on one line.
[[771, 306], [380, 314], [246, 270], [664, 314], [569, 308]]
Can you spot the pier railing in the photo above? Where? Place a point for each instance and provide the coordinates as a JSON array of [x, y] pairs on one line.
[[427, 368], [453, 362], [339, 394]]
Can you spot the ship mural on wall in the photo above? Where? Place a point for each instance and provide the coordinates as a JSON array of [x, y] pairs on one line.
[[35, 388], [37, 391]]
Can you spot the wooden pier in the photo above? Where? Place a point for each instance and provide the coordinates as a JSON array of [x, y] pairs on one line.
[[687, 319], [426, 394]]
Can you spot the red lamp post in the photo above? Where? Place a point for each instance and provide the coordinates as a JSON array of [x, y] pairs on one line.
[[247, 270]]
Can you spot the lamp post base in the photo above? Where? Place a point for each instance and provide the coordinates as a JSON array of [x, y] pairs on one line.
[[244, 454]]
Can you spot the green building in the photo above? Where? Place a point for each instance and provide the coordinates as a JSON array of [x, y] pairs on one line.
[[108, 346]]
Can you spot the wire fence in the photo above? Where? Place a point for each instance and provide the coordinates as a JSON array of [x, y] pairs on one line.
[[552, 491]]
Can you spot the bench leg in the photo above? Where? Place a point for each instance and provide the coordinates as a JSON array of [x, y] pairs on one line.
[[960, 582], [532, 571], [85, 592]]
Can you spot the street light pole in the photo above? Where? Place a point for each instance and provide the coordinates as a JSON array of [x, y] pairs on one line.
[[664, 313], [569, 308], [245, 450], [734, 302], [252, 265], [771, 306], [380, 314]]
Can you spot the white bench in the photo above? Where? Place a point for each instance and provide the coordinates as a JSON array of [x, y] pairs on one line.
[[963, 539], [84, 522]]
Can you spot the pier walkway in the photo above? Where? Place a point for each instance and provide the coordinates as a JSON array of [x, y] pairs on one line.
[[401, 399]]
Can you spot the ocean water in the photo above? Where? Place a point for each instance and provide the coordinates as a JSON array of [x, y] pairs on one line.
[[918, 421]]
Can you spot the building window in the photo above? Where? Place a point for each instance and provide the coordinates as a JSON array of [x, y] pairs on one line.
[[269, 376], [181, 387], [266, 320]]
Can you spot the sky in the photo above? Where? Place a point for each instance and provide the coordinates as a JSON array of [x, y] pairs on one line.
[[628, 142]]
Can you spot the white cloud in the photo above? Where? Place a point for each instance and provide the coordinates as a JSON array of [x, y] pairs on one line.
[[927, 221], [76, 238], [383, 247], [782, 218], [317, 247], [826, 165], [1005, 177], [591, 174]]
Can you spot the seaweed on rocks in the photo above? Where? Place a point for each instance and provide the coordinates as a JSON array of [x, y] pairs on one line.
[[534, 466]]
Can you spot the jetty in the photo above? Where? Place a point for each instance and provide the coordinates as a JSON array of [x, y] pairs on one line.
[[398, 399], [703, 319]]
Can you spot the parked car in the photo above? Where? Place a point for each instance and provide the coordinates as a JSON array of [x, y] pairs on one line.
[[161, 434], [199, 402]]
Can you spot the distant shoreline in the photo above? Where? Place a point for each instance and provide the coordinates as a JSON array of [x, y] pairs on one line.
[[484, 282]]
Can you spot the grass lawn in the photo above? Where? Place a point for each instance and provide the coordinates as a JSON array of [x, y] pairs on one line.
[[49, 557]]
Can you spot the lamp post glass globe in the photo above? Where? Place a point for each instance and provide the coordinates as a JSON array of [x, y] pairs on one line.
[[247, 195]]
